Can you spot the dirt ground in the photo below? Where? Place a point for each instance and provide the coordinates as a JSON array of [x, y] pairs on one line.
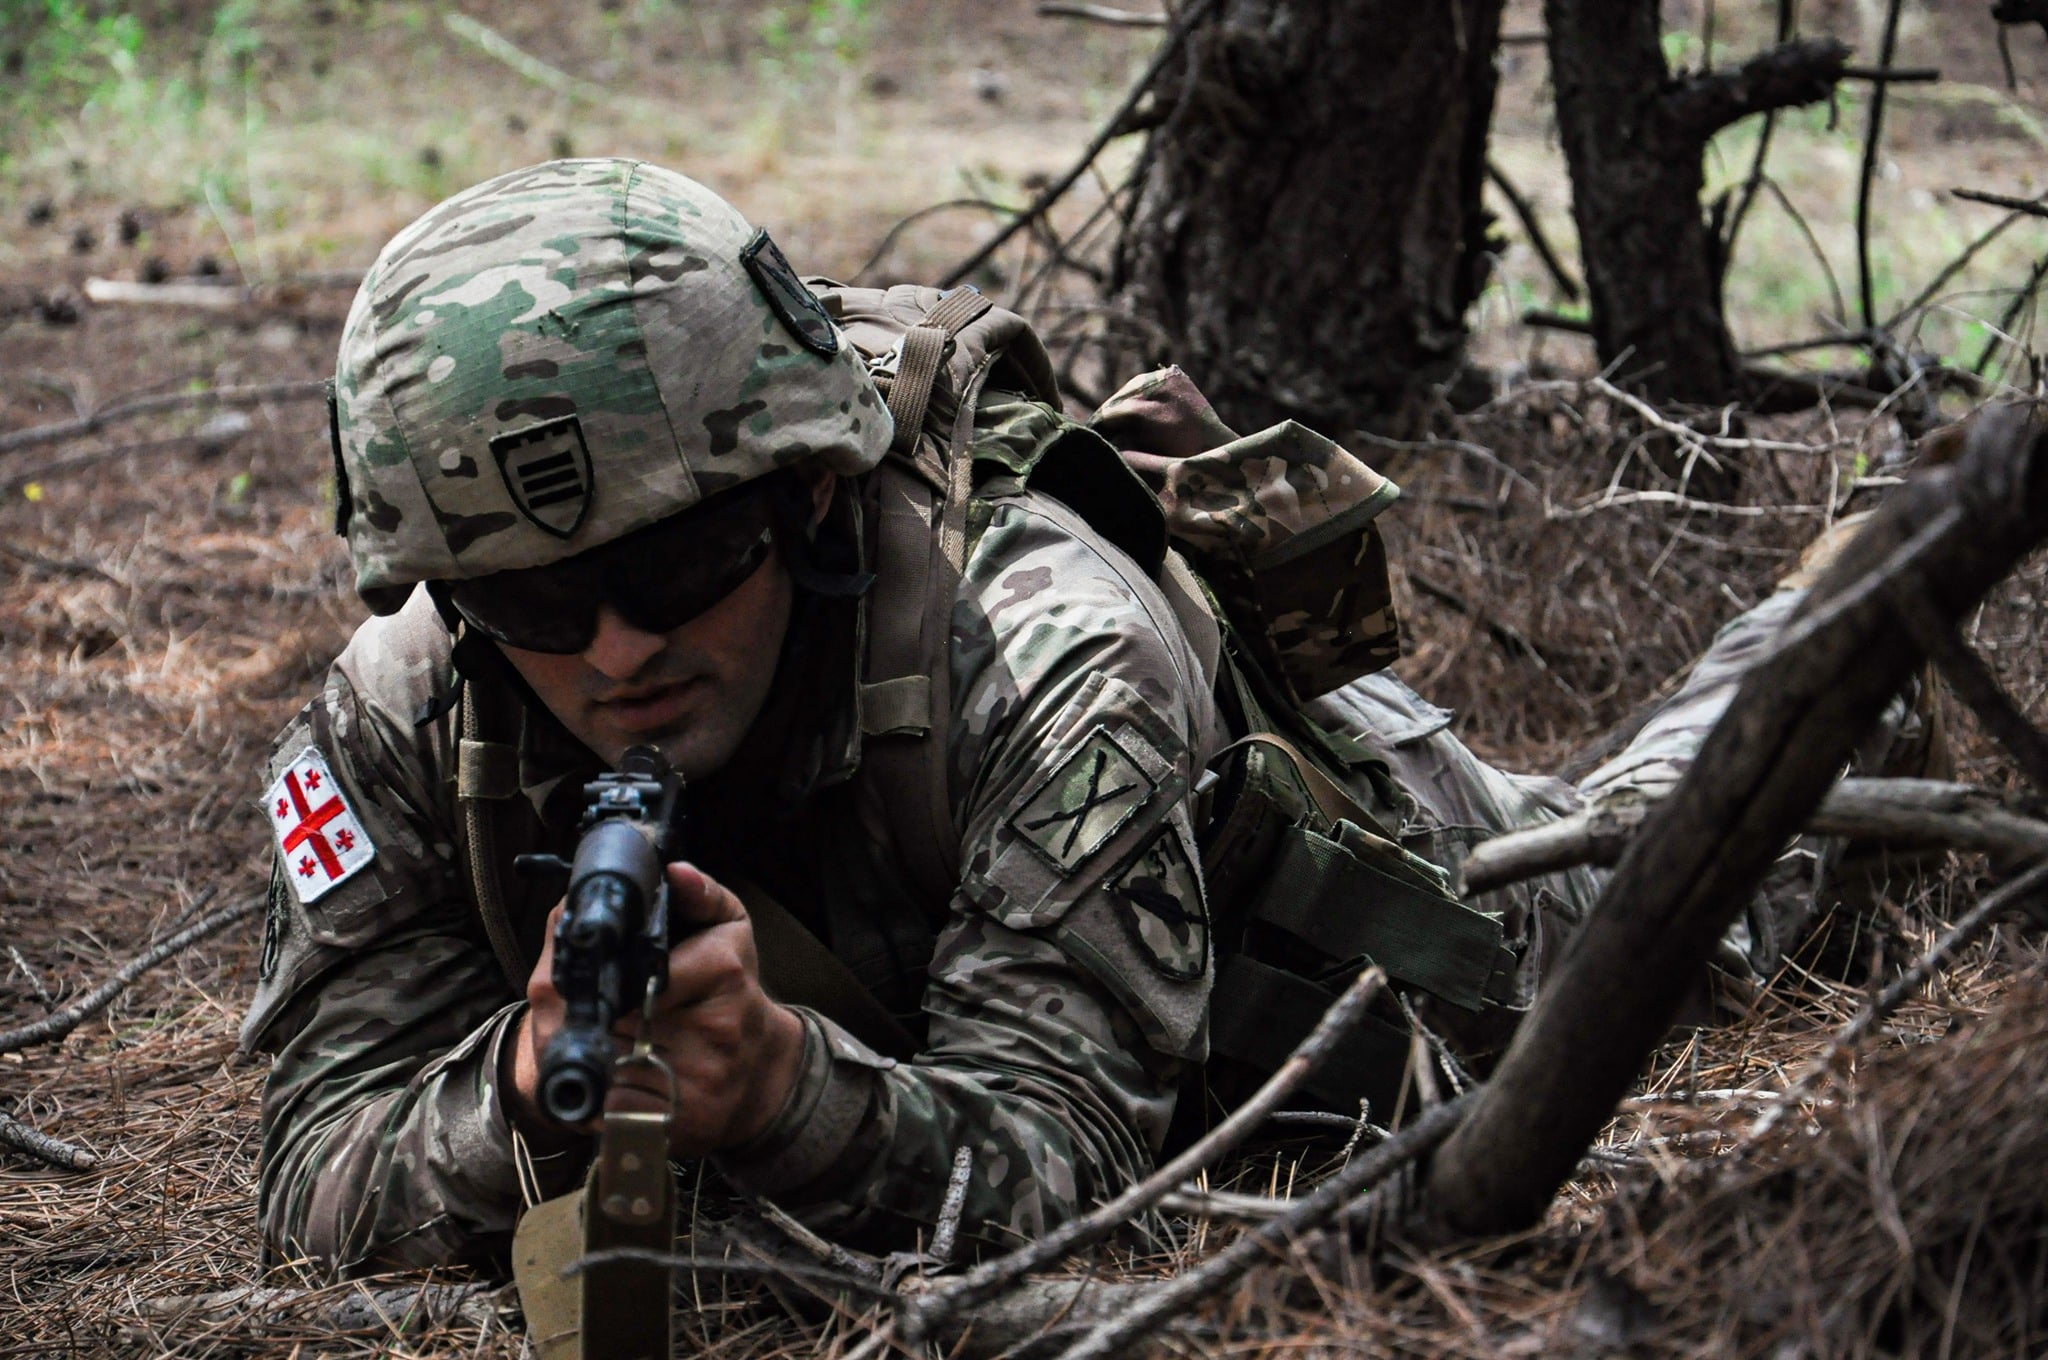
[[170, 591]]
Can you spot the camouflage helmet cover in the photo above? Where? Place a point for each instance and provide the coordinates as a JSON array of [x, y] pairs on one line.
[[566, 353]]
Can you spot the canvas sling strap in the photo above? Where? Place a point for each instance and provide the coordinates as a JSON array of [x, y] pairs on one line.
[[919, 506]]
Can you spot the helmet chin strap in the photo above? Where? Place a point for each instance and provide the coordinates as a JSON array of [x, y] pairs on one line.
[[821, 557]]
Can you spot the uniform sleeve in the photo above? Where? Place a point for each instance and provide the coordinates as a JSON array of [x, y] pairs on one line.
[[384, 1139], [1070, 983]]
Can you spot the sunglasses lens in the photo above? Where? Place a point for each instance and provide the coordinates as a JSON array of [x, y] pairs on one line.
[[659, 578]]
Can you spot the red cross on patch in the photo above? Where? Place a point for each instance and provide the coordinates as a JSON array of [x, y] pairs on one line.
[[319, 840]]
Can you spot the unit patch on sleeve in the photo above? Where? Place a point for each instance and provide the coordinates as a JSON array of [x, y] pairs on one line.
[[320, 843], [1085, 802], [1159, 897]]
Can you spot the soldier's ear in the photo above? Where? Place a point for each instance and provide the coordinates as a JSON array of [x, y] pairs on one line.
[[823, 484]]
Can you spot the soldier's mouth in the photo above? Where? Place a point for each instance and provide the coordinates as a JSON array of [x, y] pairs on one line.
[[649, 709]]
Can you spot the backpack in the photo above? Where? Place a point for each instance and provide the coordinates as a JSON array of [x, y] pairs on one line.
[[1267, 548]]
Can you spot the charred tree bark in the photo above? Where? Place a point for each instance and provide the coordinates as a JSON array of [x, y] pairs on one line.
[[1307, 233], [1634, 137]]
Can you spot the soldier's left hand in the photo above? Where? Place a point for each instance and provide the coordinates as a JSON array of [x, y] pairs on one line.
[[734, 1050]]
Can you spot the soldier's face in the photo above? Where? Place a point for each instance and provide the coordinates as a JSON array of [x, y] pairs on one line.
[[692, 691]]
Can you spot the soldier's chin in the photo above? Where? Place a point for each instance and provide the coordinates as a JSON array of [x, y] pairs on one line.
[[695, 749]]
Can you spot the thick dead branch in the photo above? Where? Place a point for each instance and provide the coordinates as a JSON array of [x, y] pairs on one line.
[[1173, 1298], [57, 1024], [254, 395], [1102, 14], [1922, 811], [2027, 892], [211, 296], [349, 1308], [927, 1317], [1948, 536], [22, 1138], [1795, 73]]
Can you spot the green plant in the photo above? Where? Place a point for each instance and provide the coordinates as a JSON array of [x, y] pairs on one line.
[[59, 56]]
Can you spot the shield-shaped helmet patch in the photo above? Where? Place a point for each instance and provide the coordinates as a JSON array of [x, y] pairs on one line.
[[547, 469]]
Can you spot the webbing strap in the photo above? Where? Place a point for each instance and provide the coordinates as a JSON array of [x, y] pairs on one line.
[[1257, 1014], [477, 776], [799, 970], [1348, 907], [923, 356], [1330, 797]]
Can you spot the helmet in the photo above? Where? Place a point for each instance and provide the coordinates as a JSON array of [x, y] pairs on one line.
[[569, 352]]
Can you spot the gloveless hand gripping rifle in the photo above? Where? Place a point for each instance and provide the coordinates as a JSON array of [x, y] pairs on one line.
[[612, 938]]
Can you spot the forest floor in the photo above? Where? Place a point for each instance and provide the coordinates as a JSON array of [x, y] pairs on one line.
[[170, 592]]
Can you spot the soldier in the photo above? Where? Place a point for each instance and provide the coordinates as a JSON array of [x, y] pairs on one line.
[[598, 455], [607, 470]]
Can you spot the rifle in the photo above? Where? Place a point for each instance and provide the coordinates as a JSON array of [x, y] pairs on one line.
[[612, 939]]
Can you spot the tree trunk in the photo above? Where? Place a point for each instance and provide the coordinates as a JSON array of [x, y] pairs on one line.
[[1635, 136], [1307, 234]]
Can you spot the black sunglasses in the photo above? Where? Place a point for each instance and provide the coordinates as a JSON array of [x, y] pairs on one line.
[[658, 578]]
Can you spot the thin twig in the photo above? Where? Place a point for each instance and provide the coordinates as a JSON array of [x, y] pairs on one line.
[[1974, 923], [1526, 212], [948, 1230], [1175, 1296], [988, 1280], [22, 1138], [889, 239], [15, 481], [34, 979], [1053, 192], [254, 395], [59, 1023], [2018, 208], [1754, 180], [1686, 433], [2003, 332], [1870, 146]]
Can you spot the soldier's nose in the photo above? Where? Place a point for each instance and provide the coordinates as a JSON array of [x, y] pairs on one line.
[[617, 649]]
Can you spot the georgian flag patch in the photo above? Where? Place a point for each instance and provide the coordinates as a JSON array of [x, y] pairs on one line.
[[319, 840]]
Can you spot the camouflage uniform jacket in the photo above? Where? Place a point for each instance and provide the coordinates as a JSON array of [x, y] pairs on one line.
[[1065, 992]]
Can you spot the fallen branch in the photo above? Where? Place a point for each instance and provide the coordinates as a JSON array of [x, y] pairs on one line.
[[122, 411], [1102, 14], [35, 1143], [1925, 811], [350, 1308], [59, 1023], [926, 1317], [213, 296], [2013, 896], [1948, 536], [1156, 1304]]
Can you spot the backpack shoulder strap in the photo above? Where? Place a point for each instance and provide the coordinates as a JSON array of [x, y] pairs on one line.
[[918, 504], [486, 779]]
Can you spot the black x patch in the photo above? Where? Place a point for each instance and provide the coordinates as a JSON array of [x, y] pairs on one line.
[[1085, 802]]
